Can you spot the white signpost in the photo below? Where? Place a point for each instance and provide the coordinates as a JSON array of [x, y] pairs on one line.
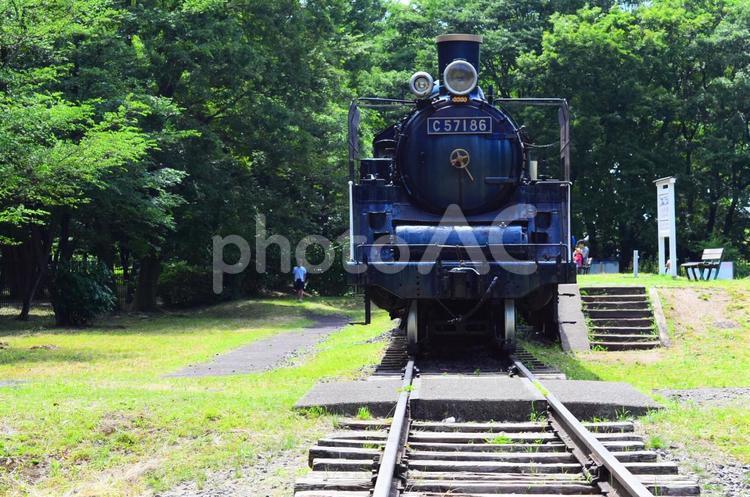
[[666, 223]]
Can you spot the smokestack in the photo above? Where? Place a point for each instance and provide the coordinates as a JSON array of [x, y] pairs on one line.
[[457, 46]]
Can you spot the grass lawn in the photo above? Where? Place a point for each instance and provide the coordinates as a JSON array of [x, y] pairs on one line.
[[93, 413], [710, 329], [650, 280]]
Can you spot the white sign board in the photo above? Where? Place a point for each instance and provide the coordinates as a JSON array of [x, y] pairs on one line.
[[666, 211], [666, 225]]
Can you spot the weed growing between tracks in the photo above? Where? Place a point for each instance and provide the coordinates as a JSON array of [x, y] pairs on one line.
[[93, 411], [710, 330]]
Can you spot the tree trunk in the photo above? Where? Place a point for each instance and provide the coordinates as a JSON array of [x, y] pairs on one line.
[[41, 242], [712, 210], [148, 277], [17, 266], [64, 248]]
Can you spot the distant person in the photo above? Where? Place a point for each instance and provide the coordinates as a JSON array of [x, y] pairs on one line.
[[300, 277], [578, 259], [585, 250]]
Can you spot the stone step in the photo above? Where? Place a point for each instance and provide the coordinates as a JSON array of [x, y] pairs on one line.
[[608, 337], [609, 345], [623, 330], [613, 290], [621, 322], [627, 305], [618, 313], [614, 298]]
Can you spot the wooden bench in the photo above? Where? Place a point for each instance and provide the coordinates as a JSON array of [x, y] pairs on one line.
[[710, 261]]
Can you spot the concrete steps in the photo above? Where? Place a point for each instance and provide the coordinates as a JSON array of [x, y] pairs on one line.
[[621, 337], [620, 318], [615, 345]]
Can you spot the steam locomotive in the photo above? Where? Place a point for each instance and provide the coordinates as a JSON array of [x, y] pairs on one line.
[[452, 228]]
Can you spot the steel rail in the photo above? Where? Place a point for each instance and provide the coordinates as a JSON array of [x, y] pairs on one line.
[[393, 445], [611, 472]]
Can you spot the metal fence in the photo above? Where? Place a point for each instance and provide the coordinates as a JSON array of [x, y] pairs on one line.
[[124, 288]]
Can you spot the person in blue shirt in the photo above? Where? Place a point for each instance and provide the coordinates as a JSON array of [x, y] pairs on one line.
[[300, 276]]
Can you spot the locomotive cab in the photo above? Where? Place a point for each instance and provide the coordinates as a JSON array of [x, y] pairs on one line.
[[451, 230]]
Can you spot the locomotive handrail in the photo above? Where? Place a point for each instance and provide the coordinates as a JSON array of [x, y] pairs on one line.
[[354, 117], [563, 116], [379, 102]]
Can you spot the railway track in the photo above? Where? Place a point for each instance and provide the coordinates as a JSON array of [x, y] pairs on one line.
[[395, 358], [550, 457]]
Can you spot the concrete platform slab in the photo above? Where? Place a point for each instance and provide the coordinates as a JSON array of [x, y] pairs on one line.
[[479, 398], [475, 398], [600, 399], [573, 328], [346, 397]]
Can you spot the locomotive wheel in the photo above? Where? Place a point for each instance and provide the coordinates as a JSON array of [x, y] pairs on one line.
[[505, 336], [510, 325], [412, 328]]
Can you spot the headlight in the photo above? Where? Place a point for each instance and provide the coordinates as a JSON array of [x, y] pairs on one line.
[[420, 84], [460, 77]]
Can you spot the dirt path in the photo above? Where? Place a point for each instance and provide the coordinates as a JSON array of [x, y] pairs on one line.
[[266, 354]]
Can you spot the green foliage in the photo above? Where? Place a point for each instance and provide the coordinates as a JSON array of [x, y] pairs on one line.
[[655, 442], [333, 281], [139, 130], [80, 292], [650, 89], [363, 413], [183, 285], [501, 439]]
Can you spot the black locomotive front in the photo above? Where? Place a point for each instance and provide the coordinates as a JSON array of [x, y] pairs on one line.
[[451, 229]]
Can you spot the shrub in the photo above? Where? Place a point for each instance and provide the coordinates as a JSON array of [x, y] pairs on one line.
[[741, 268], [330, 282], [184, 285], [80, 292]]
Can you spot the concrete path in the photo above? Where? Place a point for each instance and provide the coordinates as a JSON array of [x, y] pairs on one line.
[[268, 353]]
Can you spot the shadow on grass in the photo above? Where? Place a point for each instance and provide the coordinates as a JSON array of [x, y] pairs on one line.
[[550, 354], [267, 313], [13, 355]]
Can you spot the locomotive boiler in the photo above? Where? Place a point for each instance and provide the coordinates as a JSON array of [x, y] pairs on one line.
[[452, 228]]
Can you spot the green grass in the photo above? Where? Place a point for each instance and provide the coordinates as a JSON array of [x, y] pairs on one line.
[[650, 280], [501, 439], [363, 413], [94, 413], [703, 354]]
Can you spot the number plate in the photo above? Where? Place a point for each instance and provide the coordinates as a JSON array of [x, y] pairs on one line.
[[459, 125]]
